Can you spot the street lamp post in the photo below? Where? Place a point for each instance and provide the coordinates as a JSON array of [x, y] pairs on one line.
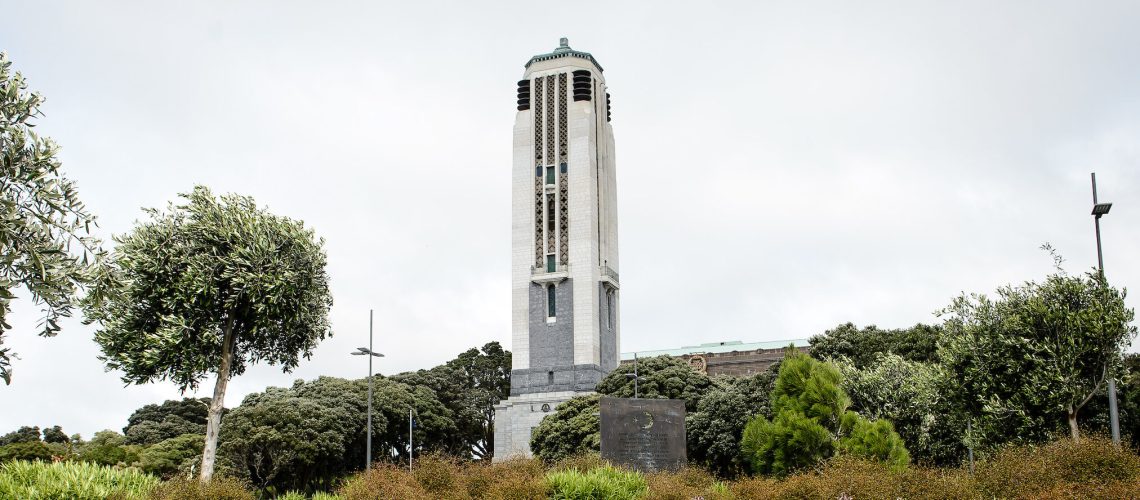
[[1100, 209], [367, 351], [634, 375]]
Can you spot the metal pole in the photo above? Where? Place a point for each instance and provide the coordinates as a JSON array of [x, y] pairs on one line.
[[970, 442], [635, 375], [368, 454], [1113, 413], [411, 446]]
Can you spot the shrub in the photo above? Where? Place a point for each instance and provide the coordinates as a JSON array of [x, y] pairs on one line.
[[876, 440], [1017, 471], [440, 476], [219, 488], [383, 481], [509, 480], [292, 495], [685, 484], [606, 482], [320, 495], [72, 480], [580, 462], [854, 477]]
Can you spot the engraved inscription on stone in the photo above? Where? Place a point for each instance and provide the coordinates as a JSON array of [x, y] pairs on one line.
[[645, 434]]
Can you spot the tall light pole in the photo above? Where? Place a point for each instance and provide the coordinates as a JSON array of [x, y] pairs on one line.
[[411, 444], [1100, 209], [367, 351], [634, 375]]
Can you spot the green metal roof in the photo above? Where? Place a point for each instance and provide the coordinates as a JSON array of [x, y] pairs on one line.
[[718, 347], [563, 50]]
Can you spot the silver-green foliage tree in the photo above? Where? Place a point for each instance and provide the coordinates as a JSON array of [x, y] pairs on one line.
[[210, 286], [811, 423], [912, 395], [45, 239], [1035, 355]]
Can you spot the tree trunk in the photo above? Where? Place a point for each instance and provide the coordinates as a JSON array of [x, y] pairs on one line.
[[1076, 433], [214, 414]]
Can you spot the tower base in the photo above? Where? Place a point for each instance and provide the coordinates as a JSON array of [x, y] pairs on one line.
[[517, 417]]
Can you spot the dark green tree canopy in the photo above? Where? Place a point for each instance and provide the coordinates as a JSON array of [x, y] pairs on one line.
[[45, 238], [714, 430], [27, 450], [660, 377], [181, 278], [572, 429], [862, 346], [470, 386], [308, 435], [154, 423], [25, 434], [55, 434]]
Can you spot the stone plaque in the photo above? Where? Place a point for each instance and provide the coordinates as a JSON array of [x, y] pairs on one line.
[[647, 435]]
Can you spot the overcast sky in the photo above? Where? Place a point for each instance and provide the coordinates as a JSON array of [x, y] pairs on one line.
[[782, 168]]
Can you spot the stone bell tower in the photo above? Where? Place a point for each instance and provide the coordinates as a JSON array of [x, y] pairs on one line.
[[564, 261]]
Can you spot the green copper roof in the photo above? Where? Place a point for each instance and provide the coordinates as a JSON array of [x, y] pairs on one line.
[[563, 50], [718, 347]]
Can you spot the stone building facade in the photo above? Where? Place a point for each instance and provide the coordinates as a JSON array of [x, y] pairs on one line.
[[564, 266], [733, 358]]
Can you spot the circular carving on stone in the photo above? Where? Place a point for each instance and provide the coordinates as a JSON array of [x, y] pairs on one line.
[[545, 407], [698, 363]]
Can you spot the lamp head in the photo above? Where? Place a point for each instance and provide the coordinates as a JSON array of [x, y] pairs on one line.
[[1101, 209]]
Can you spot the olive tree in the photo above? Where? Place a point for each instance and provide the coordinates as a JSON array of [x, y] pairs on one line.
[[1036, 354], [210, 285], [45, 240]]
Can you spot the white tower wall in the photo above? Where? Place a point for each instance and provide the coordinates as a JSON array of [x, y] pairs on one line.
[[564, 280]]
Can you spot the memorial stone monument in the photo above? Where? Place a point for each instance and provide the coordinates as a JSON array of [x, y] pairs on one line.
[[647, 435], [564, 260]]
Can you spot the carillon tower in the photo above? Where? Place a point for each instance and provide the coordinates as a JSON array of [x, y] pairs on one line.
[[564, 263]]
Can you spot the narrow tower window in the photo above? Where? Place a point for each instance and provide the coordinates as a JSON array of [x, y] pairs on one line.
[[550, 265], [550, 305], [610, 308]]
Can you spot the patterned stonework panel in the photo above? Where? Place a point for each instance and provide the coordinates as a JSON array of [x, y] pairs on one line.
[[563, 222], [562, 117], [563, 195], [550, 234], [538, 253], [538, 87], [550, 119]]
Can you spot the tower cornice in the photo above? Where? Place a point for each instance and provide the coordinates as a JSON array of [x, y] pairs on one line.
[[564, 50]]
